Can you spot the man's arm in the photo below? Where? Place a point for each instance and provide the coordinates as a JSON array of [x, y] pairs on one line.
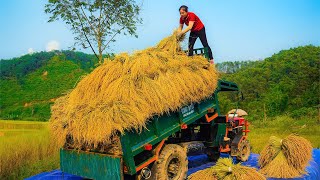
[[191, 23]]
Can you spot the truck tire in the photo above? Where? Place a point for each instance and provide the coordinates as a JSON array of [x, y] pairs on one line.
[[172, 164], [212, 153]]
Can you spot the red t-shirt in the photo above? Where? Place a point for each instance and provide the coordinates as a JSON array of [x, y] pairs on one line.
[[197, 26]]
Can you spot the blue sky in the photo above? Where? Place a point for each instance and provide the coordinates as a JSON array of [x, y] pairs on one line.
[[236, 30]]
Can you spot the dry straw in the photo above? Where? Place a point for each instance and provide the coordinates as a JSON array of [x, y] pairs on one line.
[[226, 170], [285, 158], [124, 93]]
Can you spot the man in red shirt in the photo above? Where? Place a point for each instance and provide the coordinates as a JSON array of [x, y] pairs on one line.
[[197, 30]]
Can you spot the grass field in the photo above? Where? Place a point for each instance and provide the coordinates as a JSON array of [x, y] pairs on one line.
[[26, 148], [281, 126]]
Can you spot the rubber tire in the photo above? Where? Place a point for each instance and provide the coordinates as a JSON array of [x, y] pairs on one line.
[[159, 168], [244, 145], [213, 154]]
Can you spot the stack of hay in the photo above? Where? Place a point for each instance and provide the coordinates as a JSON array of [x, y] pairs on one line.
[[225, 169], [124, 93], [285, 158]]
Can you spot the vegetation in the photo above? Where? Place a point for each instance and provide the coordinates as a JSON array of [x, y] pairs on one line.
[[282, 126], [281, 95], [31, 83], [286, 83], [21, 66], [26, 149], [92, 23]]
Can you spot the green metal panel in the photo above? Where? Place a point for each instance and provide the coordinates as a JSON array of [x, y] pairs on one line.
[[91, 165], [201, 51], [161, 127], [226, 86], [216, 101]]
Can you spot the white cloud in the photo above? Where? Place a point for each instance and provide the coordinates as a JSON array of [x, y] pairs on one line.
[[30, 51], [53, 45]]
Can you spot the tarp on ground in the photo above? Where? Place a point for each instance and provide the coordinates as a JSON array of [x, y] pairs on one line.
[[200, 162]]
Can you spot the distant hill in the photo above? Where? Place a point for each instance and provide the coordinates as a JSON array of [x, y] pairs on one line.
[[286, 83], [30, 83]]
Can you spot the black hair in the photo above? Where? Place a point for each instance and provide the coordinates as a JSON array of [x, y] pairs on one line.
[[184, 7]]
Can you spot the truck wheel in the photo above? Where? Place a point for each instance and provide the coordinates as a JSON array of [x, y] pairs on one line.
[[172, 163], [244, 151]]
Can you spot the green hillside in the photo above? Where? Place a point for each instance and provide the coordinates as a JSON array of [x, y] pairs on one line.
[[285, 84], [30, 84]]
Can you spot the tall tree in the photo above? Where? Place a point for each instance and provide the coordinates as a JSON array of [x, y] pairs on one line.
[[95, 23]]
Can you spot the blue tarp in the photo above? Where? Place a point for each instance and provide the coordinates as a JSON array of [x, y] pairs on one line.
[[200, 162]]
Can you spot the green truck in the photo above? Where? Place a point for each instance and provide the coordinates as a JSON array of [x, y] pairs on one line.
[[158, 151]]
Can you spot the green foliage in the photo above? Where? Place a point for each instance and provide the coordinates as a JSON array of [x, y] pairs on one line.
[[95, 23], [282, 126], [29, 97], [19, 67], [305, 112], [284, 83]]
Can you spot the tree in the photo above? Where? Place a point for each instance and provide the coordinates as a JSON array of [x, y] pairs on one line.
[[95, 23]]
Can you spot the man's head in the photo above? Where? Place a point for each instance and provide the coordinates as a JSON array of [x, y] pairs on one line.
[[183, 11]]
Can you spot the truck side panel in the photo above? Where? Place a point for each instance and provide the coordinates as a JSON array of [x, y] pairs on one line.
[[161, 127], [91, 165]]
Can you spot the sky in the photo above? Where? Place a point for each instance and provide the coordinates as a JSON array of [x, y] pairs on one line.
[[236, 30]]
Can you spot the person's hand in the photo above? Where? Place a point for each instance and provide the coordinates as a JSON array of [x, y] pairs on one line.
[[179, 34], [211, 61]]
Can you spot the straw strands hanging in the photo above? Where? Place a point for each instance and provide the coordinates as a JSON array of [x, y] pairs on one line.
[[124, 93], [285, 158], [225, 169]]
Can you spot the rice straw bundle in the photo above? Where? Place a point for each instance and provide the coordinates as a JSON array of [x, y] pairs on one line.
[[225, 169], [285, 158], [206, 174], [123, 94], [298, 151], [279, 168]]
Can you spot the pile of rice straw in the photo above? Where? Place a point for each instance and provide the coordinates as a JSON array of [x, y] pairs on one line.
[[123, 94], [225, 169], [285, 158]]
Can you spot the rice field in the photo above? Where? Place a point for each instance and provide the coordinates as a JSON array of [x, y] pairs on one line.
[[282, 126], [25, 149]]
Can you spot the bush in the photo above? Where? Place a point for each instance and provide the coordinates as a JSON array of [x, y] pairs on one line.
[[304, 111]]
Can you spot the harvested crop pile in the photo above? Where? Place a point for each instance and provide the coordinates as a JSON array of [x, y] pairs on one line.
[[225, 169], [124, 93], [285, 158]]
